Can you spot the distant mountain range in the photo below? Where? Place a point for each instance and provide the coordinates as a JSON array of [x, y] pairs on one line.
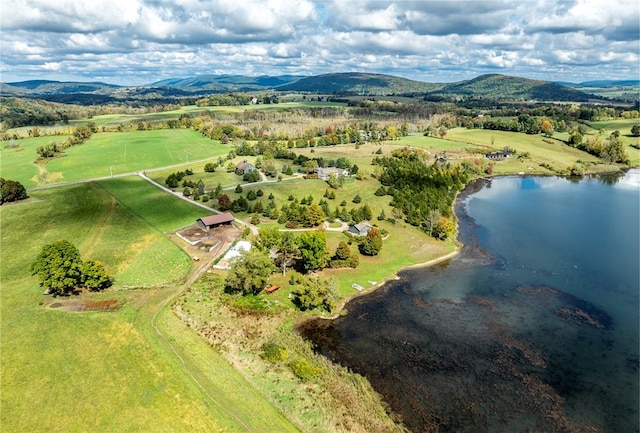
[[490, 86]]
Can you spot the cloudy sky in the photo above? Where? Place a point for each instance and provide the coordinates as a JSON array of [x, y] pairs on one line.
[[141, 41]]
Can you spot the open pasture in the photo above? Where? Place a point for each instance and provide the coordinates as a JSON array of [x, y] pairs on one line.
[[160, 210], [553, 151], [118, 382], [126, 152], [122, 374], [114, 120], [17, 158]]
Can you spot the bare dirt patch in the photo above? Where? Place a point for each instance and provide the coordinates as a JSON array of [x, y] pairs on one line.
[[77, 305], [206, 243]]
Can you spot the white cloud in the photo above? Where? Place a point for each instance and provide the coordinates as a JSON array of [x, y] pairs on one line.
[[435, 40]]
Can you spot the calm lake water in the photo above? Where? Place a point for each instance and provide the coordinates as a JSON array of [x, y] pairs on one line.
[[533, 327]]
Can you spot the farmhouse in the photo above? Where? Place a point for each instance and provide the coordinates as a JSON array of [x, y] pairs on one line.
[[360, 229], [244, 167], [498, 155], [213, 221], [324, 172]]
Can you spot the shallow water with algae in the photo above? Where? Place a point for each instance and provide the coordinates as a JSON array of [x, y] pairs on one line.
[[533, 327]]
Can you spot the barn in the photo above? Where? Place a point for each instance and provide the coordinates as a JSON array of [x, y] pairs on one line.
[[213, 221]]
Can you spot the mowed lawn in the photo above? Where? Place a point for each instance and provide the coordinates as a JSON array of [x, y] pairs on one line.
[[105, 371], [126, 152]]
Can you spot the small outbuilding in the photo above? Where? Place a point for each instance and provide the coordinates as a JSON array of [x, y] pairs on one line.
[[360, 229], [213, 221]]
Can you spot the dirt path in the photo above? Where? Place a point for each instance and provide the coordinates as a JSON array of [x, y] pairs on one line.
[[190, 368]]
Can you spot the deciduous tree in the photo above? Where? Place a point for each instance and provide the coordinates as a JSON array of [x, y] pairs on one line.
[[95, 277], [11, 190], [59, 267], [249, 272], [315, 292], [61, 270], [313, 250], [372, 243]]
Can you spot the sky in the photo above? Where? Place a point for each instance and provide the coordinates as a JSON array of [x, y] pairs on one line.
[[136, 42]]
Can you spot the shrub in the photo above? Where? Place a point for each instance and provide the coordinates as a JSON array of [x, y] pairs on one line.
[[303, 369], [251, 176], [273, 352], [381, 191]]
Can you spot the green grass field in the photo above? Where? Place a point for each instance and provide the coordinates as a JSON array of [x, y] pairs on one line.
[[106, 154], [110, 371], [17, 163], [126, 152]]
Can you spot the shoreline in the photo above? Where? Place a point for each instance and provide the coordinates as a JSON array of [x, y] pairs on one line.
[[340, 309]]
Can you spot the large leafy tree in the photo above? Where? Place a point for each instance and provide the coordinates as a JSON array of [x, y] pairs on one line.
[[283, 245], [313, 216], [11, 190], [94, 277], [313, 250], [314, 292], [61, 270], [288, 251], [249, 272]]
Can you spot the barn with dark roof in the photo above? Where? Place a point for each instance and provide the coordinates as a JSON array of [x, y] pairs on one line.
[[213, 221]]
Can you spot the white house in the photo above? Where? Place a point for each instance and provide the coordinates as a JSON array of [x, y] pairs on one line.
[[324, 172]]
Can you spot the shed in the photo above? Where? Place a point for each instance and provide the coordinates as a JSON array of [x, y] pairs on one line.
[[214, 221], [360, 229]]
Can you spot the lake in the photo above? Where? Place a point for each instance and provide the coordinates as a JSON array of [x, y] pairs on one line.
[[533, 327]]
